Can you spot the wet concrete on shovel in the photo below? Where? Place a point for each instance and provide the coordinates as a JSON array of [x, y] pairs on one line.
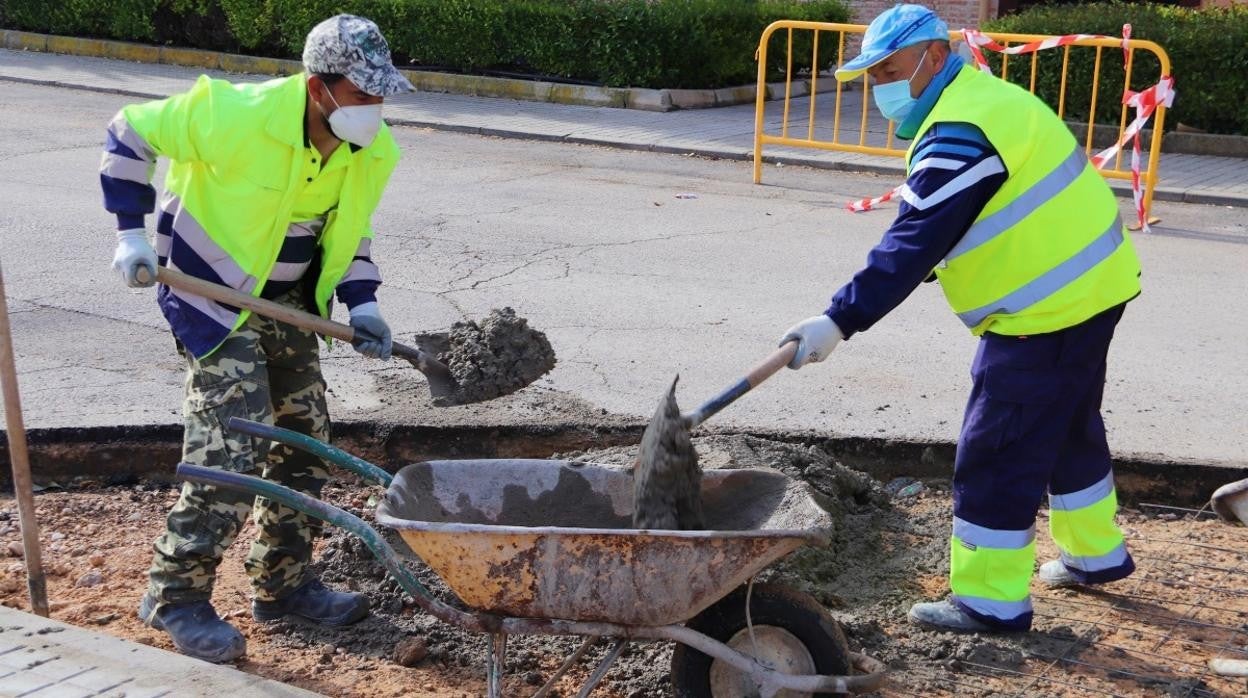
[[667, 490], [495, 357]]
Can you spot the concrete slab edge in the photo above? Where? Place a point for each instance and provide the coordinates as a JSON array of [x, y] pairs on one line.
[[123, 455], [1187, 142], [645, 99], [141, 669]]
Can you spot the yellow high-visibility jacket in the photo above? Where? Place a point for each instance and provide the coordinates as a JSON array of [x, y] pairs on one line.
[[1049, 249]]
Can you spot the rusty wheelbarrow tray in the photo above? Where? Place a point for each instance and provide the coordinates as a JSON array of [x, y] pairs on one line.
[[539, 547]]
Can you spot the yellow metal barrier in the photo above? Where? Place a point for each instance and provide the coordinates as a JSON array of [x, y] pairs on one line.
[[868, 142]]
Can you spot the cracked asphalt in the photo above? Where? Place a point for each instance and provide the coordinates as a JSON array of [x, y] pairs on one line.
[[637, 265]]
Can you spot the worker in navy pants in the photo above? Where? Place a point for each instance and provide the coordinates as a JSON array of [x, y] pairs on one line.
[[1033, 423]]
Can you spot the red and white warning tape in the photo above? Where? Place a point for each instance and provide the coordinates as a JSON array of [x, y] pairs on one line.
[[975, 39], [868, 204], [1144, 102]]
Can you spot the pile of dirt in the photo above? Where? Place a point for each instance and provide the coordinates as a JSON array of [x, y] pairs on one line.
[[495, 357]]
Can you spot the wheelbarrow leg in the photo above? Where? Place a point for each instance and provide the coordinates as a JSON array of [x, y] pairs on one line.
[[567, 664], [605, 665], [496, 663]]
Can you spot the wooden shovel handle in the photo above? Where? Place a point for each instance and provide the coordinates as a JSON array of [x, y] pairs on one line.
[[260, 306], [775, 361], [759, 373]]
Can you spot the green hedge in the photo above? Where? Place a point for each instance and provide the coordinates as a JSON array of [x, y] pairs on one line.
[[621, 43], [1208, 51]]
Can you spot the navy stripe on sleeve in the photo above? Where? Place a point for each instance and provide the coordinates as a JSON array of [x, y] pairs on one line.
[[953, 174]]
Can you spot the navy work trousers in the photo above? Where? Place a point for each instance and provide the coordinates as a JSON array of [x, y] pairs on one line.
[[1033, 425]]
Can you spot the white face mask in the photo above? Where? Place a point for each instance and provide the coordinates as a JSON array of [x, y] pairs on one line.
[[356, 124]]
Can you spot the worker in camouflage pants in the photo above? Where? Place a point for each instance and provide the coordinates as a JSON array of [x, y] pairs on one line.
[[270, 191], [269, 372]]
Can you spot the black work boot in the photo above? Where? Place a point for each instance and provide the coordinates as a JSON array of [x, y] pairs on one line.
[[314, 602], [196, 629]]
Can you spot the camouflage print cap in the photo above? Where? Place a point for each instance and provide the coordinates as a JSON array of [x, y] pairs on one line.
[[353, 46]]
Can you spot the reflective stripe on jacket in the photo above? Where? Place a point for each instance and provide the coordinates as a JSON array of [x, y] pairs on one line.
[[1049, 250]]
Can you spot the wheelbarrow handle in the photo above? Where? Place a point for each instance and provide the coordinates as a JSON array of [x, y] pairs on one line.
[[353, 524], [316, 447]]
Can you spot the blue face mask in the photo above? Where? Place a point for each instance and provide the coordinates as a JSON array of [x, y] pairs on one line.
[[893, 99]]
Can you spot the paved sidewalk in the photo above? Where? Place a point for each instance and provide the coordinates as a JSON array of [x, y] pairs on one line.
[[726, 132], [41, 657]]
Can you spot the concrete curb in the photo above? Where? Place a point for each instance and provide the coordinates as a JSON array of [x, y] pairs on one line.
[[645, 99], [484, 86], [1186, 142], [121, 455]]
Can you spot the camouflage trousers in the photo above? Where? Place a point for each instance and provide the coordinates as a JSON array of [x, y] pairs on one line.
[[266, 371]]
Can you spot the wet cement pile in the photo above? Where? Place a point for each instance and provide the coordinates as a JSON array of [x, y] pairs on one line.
[[495, 357], [667, 482]]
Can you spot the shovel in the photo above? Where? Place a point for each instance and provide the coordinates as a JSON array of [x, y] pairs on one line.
[[761, 372], [666, 479], [441, 381]]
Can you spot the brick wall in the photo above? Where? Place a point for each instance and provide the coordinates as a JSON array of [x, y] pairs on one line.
[[956, 13]]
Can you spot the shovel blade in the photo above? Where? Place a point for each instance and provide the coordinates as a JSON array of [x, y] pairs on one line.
[[667, 482], [442, 383]]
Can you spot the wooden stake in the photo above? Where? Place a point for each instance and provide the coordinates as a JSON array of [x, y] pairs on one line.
[[19, 458]]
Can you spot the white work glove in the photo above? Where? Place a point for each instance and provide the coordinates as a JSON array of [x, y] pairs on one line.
[[134, 251], [372, 334], [817, 337]]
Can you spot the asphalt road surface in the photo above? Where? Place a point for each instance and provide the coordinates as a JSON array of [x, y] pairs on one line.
[[637, 265]]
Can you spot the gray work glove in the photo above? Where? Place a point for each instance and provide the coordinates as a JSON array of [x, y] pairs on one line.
[[372, 334], [134, 251], [817, 337]]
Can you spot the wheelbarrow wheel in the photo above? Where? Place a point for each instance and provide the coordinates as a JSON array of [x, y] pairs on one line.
[[792, 632]]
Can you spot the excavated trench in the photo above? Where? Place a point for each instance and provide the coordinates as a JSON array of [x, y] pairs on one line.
[[889, 548], [129, 454]]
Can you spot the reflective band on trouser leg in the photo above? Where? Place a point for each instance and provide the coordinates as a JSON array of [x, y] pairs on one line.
[[1082, 525], [989, 572]]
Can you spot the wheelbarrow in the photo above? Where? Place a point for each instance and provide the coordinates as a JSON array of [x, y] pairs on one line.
[[545, 547]]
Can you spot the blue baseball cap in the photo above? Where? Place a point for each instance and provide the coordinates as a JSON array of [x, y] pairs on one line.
[[896, 28]]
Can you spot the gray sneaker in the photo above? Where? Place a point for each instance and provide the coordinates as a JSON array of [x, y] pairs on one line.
[[1054, 575], [945, 615]]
